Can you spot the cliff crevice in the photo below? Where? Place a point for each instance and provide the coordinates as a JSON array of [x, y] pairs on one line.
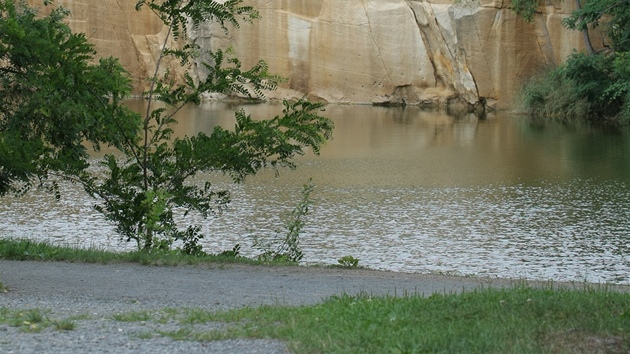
[[376, 45]]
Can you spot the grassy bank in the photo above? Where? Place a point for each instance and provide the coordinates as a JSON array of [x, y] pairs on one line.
[[23, 250], [518, 320]]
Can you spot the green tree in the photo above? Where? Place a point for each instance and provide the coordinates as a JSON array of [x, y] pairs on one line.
[[527, 9], [612, 15], [140, 187], [54, 97]]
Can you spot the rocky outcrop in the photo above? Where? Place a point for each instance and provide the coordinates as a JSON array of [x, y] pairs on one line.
[[362, 51]]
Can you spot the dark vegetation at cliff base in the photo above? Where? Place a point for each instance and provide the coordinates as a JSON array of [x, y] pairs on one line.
[[586, 87], [594, 85]]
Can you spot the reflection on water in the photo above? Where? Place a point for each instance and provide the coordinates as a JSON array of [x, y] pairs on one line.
[[407, 190]]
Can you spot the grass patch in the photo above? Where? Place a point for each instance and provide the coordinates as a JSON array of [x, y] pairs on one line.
[[145, 335], [22, 250], [34, 320], [138, 316], [64, 325], [515, 320], [519, 320]]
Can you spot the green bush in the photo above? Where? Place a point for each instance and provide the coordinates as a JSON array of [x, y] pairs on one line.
[[586, 87], [53, 100], [550, 95], [593, 86]]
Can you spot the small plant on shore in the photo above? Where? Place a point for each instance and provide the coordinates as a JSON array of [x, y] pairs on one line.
[[64, 325], [287, 248], [138, 316], [30, 320], [34, 320], [348, 262], [33, 316], [233, 253]]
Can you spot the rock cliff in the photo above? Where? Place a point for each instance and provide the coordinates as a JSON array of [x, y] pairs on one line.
[[360, 51]]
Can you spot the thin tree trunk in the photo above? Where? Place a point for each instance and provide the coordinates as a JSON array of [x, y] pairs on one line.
[[587, 39]]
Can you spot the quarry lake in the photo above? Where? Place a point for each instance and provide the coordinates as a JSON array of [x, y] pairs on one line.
[[412, 191]]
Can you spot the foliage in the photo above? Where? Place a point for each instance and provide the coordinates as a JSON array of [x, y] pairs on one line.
[[287, 248], [594, 87], [597, 80], [549, 95], [54, 96], [612, 15], [525, 8], [140, 198], [619, 90], [348, 262], [64, 325], [233, 253], [140, 192], [178, 14], [137, 316], [33, 320], [141, 187]]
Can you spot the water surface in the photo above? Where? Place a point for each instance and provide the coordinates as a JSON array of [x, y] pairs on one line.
[[413, 191]]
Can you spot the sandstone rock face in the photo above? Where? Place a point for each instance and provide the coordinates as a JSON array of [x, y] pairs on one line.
[[360, 51], [416, 51]]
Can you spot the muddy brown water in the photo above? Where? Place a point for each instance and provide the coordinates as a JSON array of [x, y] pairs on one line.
[[412, 191]]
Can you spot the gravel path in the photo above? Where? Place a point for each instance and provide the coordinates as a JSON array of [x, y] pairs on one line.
[[100, 291]]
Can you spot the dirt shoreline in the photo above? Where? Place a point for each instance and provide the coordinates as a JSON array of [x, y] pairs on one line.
[[214, 286], [222, 286]]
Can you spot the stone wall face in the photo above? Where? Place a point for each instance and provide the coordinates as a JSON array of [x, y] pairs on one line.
[[360, 51]]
